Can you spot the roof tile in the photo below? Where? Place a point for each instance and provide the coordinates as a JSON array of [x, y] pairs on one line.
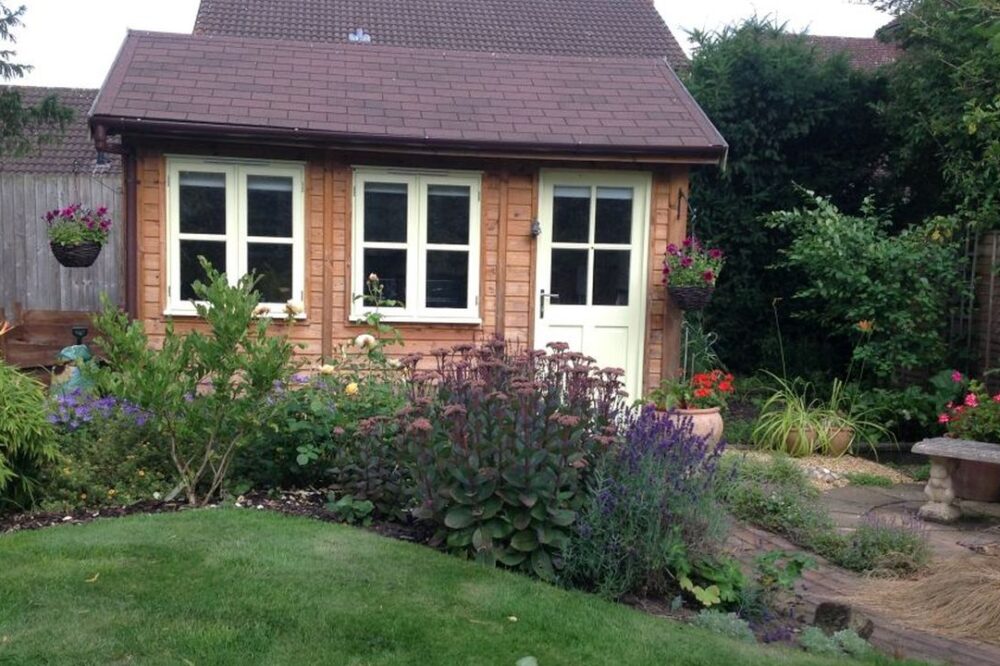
[[555, 27], [405, 93]]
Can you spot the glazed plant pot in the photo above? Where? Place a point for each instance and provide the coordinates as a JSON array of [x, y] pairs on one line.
[[805, 441], [691, 298], [76, 256], [706, 423]]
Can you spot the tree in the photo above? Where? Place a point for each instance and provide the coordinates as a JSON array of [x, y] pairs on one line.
[[791, 117], [944, 103], [23, 127]]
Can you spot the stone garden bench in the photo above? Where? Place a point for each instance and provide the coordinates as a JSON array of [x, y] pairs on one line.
[[946, 455]]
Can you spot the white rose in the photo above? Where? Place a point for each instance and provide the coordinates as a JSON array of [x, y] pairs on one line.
[[365, 341], [295, 308]]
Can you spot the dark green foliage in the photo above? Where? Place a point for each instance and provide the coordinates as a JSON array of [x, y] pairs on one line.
[[27, 439], [497, 441], [854, 270], [790, 116], [22, 128]]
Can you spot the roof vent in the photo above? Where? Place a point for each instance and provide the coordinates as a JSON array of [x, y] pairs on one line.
[[359, 36]]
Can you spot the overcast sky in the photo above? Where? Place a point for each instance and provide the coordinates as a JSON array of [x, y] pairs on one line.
[[73, 42]]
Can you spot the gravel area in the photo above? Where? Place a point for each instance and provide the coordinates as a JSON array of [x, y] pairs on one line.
[[826, 472]]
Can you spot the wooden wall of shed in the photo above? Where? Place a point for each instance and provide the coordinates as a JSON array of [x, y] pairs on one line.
[[509, 204], [29, 274]]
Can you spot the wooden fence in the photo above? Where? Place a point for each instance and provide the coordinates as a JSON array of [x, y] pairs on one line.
[[29, 274]]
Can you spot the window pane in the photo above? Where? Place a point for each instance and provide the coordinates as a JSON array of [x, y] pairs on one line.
[[447, 279], [611, 277], [273, 265], [390, 266], [571, 214], [202, 202], [569, 277], [214, 251], [613, 215], [385, 212], [269, 206], [448, 215]]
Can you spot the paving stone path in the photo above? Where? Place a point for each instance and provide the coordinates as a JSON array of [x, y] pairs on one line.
[[979, 531]]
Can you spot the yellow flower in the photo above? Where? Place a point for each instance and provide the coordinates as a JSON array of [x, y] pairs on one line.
[[142, 472], [112, 492], [327, 369], [351, 389], [83, 496]]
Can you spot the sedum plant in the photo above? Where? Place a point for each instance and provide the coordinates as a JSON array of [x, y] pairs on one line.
[[497, 443], [205, 393]]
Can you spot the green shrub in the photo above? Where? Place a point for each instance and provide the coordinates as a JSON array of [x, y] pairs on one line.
[[497, 442], [883, 547], [901, 284], [729, 625], [650, 518], [205, 393], [27, 439], [843, 643]]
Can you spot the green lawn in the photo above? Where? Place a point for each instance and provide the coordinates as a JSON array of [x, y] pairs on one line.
[[229, 586]]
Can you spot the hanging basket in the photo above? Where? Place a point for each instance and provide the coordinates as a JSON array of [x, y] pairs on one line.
[[691, 298], [76, 256]]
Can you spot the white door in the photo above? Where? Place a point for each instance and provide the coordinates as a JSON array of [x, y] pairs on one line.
[[591, 265]]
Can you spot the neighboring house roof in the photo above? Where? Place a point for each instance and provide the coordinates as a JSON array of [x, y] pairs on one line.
[[73, 152], [382, 96], [865, 53], [553, 27]]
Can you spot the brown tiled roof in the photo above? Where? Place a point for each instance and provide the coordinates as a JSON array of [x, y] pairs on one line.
[[866, 53], [381, 95], [552, 27], [72, 153]]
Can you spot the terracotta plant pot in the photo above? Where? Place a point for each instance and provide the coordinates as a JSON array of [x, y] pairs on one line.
[[706, 423], [804, 441], [691, 298], [76, 256]]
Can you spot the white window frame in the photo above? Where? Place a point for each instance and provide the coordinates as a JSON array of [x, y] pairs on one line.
[[236, 236], [416, 245]]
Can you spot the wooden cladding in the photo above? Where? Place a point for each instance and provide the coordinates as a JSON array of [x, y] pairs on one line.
[[507, 258]]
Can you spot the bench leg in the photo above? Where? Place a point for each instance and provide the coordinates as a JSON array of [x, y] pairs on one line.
[[942, 507]]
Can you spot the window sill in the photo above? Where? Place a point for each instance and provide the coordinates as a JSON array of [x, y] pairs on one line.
[[193, 314], [420, 320]]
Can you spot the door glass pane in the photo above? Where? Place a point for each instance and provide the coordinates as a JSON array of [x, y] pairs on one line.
[[269, 206], [613, 221], [202, 202], [448, 214], [214, 251], [385, 212], [272, 262], [611, 277], [571, 214], [569, 277], [447, 279], [390, 266]]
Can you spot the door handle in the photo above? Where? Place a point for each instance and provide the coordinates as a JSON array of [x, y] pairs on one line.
[[541, 302]]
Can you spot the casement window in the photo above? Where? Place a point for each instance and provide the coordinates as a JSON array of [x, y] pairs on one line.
[[419, 233], [242, 217]]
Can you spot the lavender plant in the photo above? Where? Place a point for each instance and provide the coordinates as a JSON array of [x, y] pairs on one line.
[[497, 441], [650, 518]]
